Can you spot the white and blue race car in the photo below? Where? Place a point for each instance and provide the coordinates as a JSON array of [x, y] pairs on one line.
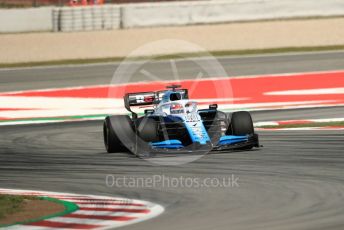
[[175, 124]]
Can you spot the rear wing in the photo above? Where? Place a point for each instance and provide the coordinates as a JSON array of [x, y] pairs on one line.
[[139, 99], [148, 98]]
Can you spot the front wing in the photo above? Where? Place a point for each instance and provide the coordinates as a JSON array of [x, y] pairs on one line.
[[228, 142]]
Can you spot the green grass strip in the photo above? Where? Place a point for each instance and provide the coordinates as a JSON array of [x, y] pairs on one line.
[[175, 56], [69, 208], [10, 204]]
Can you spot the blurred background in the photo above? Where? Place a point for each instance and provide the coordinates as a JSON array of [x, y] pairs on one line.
[[37, 3], [282, 60]]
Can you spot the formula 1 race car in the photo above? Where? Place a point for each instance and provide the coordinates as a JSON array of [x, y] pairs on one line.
[[175, 124]]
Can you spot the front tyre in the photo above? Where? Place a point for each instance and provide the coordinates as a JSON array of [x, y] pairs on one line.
[[116, 130], [241, 123]]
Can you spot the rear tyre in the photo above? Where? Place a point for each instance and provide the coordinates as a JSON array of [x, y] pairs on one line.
[[116, 130], [214, 121], [148, 129]]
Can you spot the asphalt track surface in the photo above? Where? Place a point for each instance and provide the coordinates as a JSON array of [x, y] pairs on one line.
[[66, 76], [295, 181]]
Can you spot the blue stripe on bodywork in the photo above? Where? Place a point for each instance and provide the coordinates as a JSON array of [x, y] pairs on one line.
[[168, 144], [230, 139]]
